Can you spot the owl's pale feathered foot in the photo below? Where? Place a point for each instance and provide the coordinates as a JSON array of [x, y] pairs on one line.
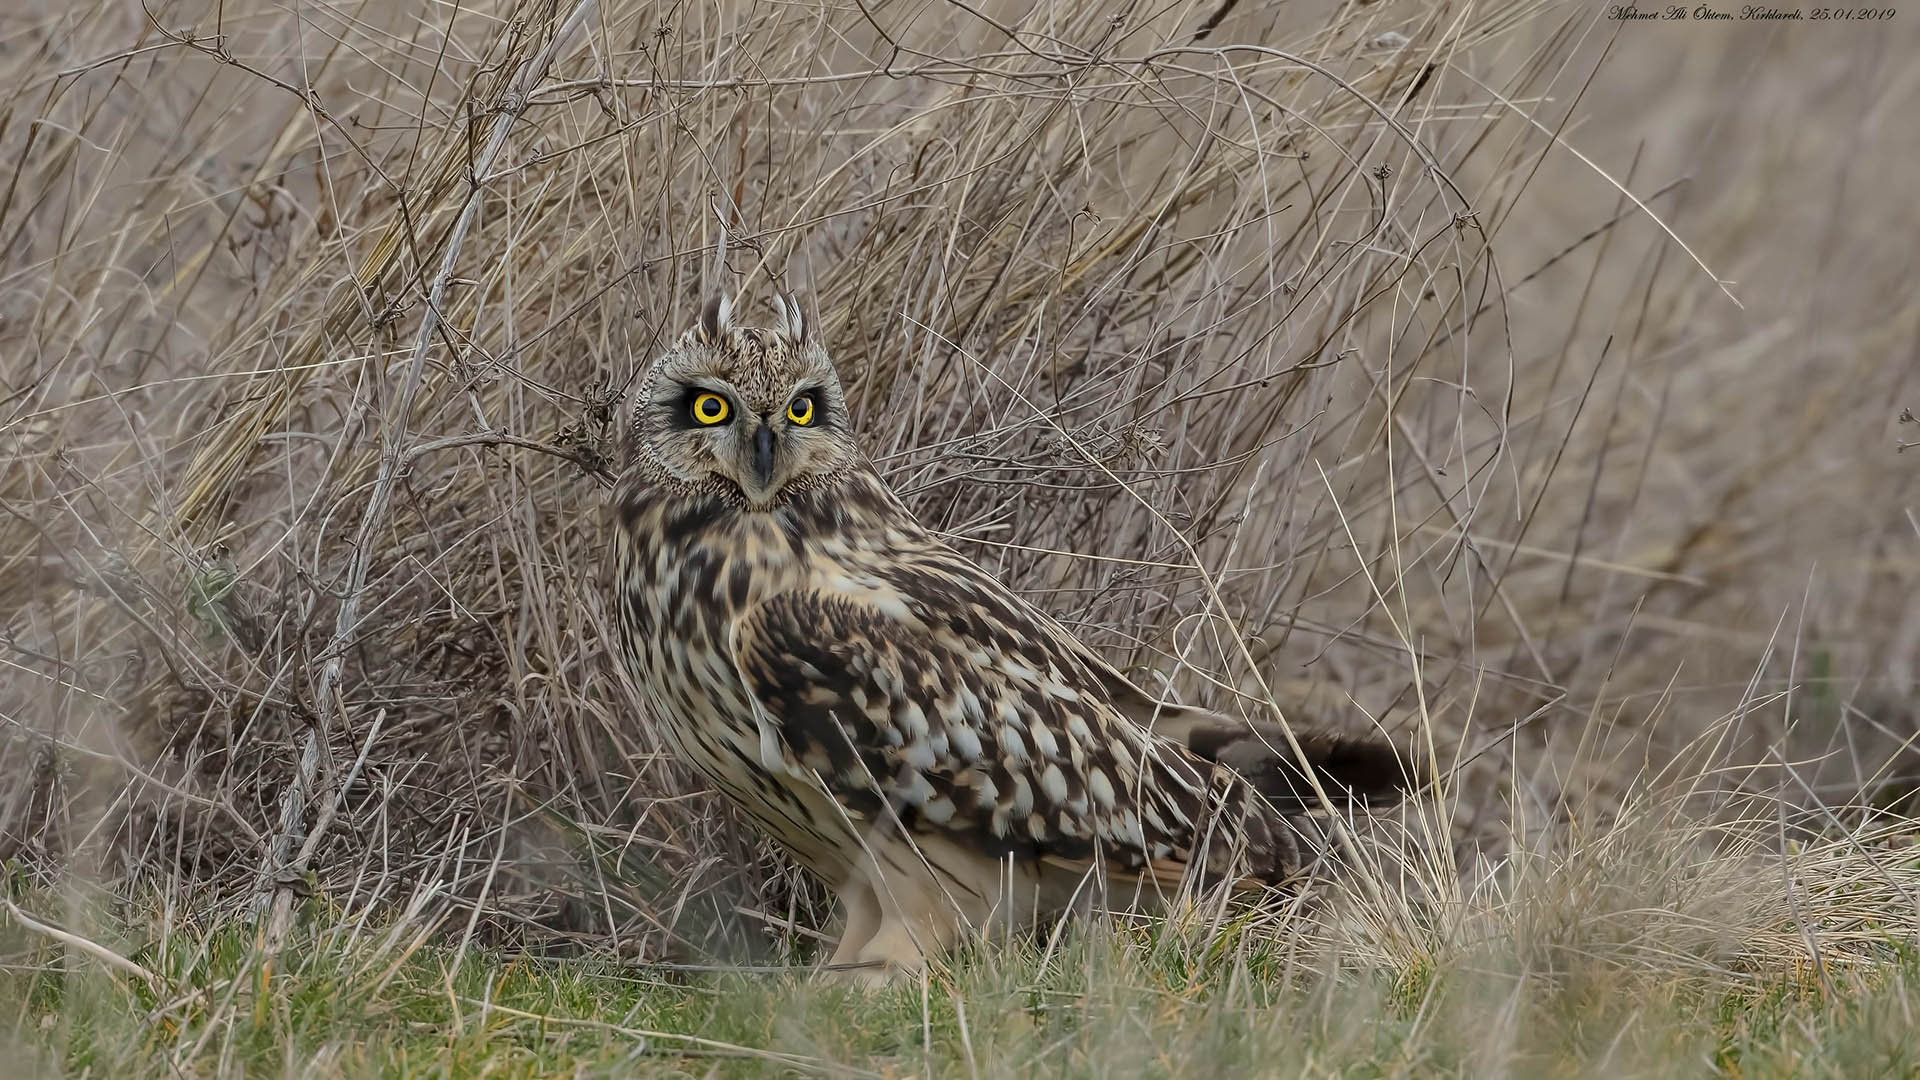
[[848, 964], [910, 899], [883, 943]]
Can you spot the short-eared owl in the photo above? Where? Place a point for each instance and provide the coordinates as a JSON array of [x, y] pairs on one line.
[[941, 753]]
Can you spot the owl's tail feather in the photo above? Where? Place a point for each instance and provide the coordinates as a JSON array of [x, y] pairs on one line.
[[1352, 771]]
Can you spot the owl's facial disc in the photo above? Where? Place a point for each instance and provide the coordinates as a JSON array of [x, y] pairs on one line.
[[757, 445]]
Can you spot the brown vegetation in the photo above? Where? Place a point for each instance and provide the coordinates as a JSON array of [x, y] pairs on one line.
[[1320, 372]]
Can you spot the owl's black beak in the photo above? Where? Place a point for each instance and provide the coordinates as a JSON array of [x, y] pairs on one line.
[[763, 455]]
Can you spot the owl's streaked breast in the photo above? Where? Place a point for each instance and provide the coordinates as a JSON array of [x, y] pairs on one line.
[[687, 567]]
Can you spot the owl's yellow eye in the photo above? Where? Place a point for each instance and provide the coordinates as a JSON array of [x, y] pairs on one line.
[[710, 408], [800, 410]]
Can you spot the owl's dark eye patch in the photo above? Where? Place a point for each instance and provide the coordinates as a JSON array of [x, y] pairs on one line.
[[811, 403], [699, 407]]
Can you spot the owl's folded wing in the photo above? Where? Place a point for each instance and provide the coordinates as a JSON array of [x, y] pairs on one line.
[[1352, 771], [965, 725]]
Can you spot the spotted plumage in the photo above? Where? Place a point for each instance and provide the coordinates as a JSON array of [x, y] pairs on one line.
[[938, 751]]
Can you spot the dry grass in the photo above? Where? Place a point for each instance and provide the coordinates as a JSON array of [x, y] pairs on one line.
[[1318, 361]]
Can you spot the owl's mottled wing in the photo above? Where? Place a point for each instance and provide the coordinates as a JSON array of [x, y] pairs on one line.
[[1351, 771], [934, 708]]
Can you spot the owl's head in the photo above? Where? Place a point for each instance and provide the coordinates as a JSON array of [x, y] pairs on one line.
[[744, 410]]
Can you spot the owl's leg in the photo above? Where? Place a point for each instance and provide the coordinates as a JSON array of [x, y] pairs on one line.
[[863, 918], [897, 950], [881, 946], [913, 928], [885, 942], [913, 899]]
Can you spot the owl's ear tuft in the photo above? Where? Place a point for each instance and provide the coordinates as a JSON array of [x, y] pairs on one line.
[[716, 318], [792, 323]]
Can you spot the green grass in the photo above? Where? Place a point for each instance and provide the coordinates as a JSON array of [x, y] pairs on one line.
[[1106, 1002]]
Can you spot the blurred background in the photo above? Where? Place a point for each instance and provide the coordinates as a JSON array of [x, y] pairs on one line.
[[1522, 384]]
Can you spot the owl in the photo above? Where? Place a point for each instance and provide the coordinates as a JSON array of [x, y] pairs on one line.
[[945, 757]]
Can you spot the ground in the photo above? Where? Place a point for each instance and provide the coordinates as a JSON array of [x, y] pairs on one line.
[[356, 1001]]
